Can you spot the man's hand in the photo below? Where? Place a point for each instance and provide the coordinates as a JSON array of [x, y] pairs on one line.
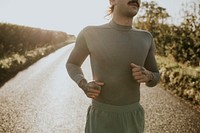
[[91, 89], [141, 74]]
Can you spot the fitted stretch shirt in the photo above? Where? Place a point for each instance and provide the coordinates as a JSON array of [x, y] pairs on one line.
[[112, 48]]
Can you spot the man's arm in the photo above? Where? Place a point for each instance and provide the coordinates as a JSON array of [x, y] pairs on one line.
[[148, 74], [77, 57], [151, 66]]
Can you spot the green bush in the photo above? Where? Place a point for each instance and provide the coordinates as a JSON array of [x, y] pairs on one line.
[[180, 80], [180, 41], [16, 38]]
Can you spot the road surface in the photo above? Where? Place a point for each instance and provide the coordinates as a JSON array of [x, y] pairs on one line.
[[43, 99]]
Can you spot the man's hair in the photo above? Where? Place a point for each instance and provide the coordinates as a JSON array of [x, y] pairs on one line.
[[110, 10]]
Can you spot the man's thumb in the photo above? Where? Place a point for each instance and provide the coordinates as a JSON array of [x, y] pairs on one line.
[[99, 83], [134, 65]]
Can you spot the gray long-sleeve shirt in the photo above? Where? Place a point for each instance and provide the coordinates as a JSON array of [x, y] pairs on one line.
[[112, 48]]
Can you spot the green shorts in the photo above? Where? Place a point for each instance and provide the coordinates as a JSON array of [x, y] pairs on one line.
[[105, 118]]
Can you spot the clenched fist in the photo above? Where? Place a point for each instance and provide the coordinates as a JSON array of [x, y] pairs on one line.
[[141, 74], [92, 89]]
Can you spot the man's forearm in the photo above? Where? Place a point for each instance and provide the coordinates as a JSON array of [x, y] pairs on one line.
[[75, 72]]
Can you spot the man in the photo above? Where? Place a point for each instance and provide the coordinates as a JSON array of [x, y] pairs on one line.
[[121, 57]]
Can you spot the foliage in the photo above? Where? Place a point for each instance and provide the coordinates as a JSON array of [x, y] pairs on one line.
[[15, 38], [178, 47], [182, 41], [180, 80]]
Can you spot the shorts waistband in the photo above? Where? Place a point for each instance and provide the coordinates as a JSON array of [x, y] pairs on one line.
[[115, 108]]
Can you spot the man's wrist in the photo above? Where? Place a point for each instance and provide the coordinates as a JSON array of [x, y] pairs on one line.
[[150, 76], [82, 84]]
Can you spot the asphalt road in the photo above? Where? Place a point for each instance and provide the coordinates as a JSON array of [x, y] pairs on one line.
[[43, 99]]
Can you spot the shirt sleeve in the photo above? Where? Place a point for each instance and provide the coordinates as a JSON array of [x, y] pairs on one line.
[[151, 65], [77, 57]]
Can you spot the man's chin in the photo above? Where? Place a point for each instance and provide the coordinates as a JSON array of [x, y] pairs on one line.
[[132, 14]]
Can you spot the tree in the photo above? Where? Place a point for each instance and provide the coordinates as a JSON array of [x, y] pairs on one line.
[[151, 16]]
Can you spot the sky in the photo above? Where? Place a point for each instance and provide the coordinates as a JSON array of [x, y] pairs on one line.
[[69, 16]]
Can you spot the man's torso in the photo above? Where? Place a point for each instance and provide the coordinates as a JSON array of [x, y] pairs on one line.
[[112, 49]]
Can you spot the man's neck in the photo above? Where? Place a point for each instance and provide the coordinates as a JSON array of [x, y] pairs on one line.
[[125, 21]]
